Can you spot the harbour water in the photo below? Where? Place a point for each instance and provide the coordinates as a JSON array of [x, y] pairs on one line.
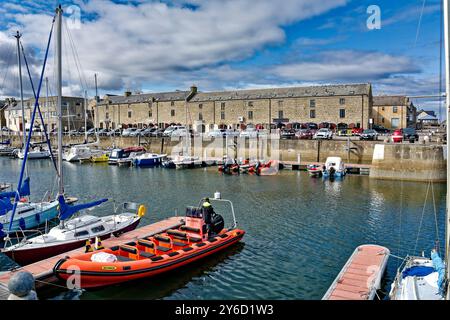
[[300, 230]]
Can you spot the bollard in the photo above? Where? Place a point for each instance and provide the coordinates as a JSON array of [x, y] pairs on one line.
[[21, 286]]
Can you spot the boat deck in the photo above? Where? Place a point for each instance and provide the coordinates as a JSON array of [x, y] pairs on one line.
[[44, 269], [361, 275]]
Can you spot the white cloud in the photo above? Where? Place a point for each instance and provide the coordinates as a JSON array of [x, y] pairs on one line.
[[348, 66], [143, 42]]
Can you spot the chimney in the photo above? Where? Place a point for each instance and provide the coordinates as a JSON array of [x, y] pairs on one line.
[[193, 89], [127, 93], [192, 93]]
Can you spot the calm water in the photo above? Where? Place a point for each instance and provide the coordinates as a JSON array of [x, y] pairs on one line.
[[300, 230]]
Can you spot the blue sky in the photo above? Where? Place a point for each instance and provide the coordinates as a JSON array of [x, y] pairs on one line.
[[217, 45]]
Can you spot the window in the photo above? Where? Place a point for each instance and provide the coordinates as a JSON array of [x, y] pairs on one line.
[[382, 108], [312, 114], [200, 106], [129, 114], [280, 103], [172, 113], [222, 115], [341, 113], [107, 115], [106, 107], [382, 120], [250, 104], [81, 233], [395, 123], [172, 103], [200, 117], [98, 229], [222, 106], [280, 114], [312, 103], [395, 109], [342, 101], [250, 115], [150, 114]]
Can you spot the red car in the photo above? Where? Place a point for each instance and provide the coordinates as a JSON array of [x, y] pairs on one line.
[[304, 134], [357, 131], [397, 136]]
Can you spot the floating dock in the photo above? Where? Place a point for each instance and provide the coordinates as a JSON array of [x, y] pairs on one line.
[[361, 276], [351, 168], [43, 270]]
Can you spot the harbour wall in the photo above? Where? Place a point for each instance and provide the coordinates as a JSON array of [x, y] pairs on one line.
[[415, 162]]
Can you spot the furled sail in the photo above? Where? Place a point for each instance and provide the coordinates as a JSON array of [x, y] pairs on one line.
[[66, 211]]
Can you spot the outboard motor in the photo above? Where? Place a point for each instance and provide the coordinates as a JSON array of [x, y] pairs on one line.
[[332, 171], [217, 224]]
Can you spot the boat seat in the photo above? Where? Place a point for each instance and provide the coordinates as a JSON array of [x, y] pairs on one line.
[[162, 238], [129, 249], [163, 249], [177, 233], [123, 259], [179, 244], [186, 228], [146, 254], [146, 243], [195, 239]]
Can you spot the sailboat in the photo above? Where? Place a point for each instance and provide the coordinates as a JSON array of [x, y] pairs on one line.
[[71, 233], [426, 278]]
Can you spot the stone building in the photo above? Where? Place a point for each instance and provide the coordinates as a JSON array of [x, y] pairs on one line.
[[2, 114], [350, 104], [72, 108], [393, 112]]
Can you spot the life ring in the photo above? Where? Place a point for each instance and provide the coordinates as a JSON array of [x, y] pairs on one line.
[[23, 199], [141, 211]]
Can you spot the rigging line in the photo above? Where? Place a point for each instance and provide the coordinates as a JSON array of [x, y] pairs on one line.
[[9, 65], [39, 110], [77, 60], [435, 216], [420, 23], [441, 48], [421, 218], [27, 146]]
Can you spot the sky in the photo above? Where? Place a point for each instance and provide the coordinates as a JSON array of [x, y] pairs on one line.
[[155, 46]]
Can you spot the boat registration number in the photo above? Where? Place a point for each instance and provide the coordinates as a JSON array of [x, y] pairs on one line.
[[109, 268]]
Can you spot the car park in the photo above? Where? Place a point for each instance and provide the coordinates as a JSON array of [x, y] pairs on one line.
[[368, 134]]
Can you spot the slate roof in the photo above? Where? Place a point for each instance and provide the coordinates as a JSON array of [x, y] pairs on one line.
[[390, 101], [147, 97]]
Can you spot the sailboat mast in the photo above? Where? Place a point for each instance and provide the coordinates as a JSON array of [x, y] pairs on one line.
[[46, 103], [447, 104], [19, 62], [59, 97], [96, 101], [85, 115]]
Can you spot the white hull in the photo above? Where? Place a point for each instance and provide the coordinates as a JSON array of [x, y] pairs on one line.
[[34, 154]]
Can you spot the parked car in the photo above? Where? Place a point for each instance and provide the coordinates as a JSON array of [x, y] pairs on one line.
[[127, 132], [73, 132], [304, 134], [323, 133], [397, 136], [357, 131], [410, 134], [217, 133], [147, 131], [91, 132], [114, 132], [157, 133], [169, 130], [287, 134], [103, 132], [249, 133], [368, 134], [135, 133], [179, 131], [380, 129]]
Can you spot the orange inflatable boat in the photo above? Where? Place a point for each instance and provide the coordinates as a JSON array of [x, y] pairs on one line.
[[202, 235]]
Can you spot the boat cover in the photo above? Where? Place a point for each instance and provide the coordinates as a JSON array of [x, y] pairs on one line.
[[418, 271], [66, 211], [439, 267], [5, 206], [24, 191]]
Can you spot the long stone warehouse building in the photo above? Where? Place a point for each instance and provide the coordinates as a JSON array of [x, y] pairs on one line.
[[352, 104]]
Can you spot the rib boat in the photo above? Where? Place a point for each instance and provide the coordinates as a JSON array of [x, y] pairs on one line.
[[150, 256]]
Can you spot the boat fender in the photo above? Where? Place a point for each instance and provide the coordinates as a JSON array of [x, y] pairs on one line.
[[88, 246], [98, 244], [141, 211], [23, 199]]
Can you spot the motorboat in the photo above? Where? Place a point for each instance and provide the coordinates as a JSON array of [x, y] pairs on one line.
[[80, 152], [149, 160], [187, 162], [74, 233], [152, 255], [118, 156], [104, 157], [314, 170], [334, 167], [34, 153], [272, 167]]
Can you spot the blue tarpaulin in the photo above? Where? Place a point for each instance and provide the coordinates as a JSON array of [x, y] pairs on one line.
[[66, 211], [439, 267], [5, 206], [418, 271]]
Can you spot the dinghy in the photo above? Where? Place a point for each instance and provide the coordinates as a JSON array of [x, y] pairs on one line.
[[202, 235]]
